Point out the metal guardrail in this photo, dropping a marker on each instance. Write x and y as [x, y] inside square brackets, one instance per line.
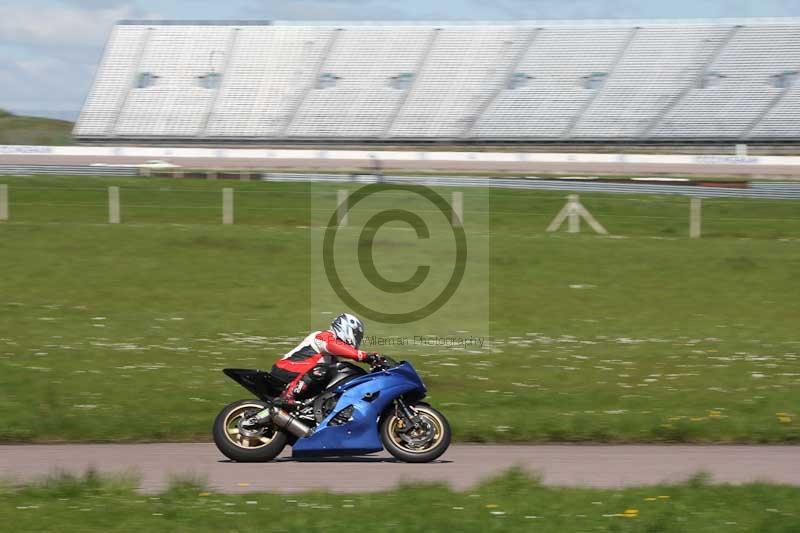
[758, 190]
[773, 190]
[67, 170]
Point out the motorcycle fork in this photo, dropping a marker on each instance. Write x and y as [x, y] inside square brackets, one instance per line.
[410, 418]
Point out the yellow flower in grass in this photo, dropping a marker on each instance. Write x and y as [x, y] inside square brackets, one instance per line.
[491, 505]
[714, 413]
[698, 418]
[785, 419]
[663, 497]
[651, 499]
[631, 513]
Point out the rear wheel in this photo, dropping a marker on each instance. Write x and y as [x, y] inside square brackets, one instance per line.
[243, 445]
[416, 445]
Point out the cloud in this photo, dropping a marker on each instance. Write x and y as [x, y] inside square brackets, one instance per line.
[63, 25]
[636, 9]
[96, 4]
[327, 10]
[50, 53]
[43, 86]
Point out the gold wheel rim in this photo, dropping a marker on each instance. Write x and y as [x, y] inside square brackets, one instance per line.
[431, 418]
[231, 428]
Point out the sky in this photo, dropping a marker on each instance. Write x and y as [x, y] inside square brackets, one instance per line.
[49, 49]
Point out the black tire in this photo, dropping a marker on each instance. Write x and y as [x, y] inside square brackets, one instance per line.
[254, 450]
[407, 454]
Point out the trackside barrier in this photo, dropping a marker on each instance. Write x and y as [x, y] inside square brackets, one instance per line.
[113, 205]
[777, 191]
[65, 170]
[341, 207]
[3, 202]
[695, 217]
[457, 202]
[572, 213]
[227, 206]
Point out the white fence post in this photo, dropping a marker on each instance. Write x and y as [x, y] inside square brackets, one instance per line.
[341, 208]
[3, 202]
[227, 205]
[113, 205]
[695, 218]
[458, 209]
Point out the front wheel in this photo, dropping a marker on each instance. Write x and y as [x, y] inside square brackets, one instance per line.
[243, 445]
[420, 444]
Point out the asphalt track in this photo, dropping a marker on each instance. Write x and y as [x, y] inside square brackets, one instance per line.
[404, 165]
[462, 466]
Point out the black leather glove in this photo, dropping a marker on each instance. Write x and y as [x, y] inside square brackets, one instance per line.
[373, 358]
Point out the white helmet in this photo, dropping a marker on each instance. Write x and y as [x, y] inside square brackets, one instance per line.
[348, 328]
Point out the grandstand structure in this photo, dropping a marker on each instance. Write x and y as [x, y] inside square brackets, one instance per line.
[588, 81]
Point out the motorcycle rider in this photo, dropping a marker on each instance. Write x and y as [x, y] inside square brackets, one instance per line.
[308, 367]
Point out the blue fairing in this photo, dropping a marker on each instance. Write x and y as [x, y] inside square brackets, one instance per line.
[369, 395]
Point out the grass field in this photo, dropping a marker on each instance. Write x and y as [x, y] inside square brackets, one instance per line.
[119, 332]
[15, 129]
[512, 502]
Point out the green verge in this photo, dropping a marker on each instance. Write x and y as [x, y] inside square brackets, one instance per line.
[15, 129]
[119, 333]
[512, 502]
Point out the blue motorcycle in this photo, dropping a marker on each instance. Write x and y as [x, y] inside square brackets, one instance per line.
[358, 413]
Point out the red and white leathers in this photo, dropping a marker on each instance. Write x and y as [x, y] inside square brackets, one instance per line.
[295, 367]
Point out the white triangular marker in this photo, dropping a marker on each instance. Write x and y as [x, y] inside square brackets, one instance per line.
[574, 211]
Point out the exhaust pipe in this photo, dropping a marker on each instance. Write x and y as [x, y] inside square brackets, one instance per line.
[283, 420]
